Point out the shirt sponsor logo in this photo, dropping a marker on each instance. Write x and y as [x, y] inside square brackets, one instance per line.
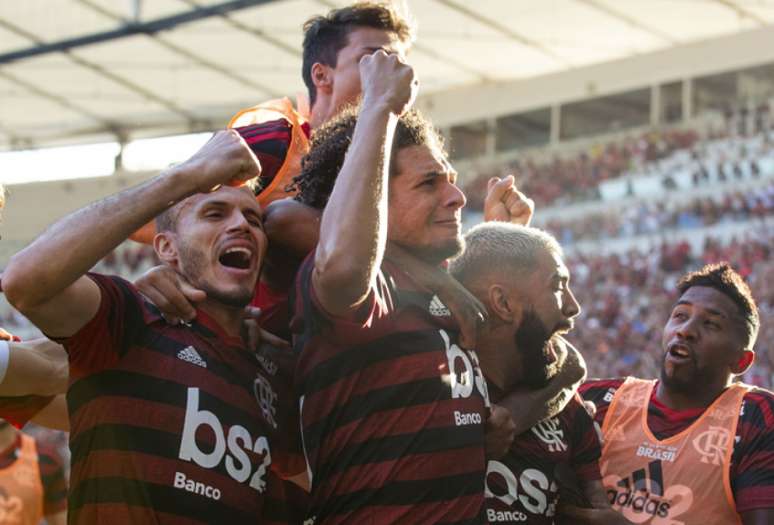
[508, 516]
[238, 441]
[471, 418]
[549, 432]
[642, 495]
[189, 485]
[190, 355]
[655, 451]
[531, 492]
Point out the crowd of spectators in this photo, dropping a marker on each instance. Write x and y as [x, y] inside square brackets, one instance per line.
[718, 153]
[655, 216]
[578, 178]
[626, 300]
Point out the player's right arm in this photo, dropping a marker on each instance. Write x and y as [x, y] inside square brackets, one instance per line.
[353, 228]
[46, 281]
[36, 367]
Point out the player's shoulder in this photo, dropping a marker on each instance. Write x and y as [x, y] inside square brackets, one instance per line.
[758, 405]
[597, 387]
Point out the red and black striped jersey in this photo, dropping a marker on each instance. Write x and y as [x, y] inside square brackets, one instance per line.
[524, 486]
[169, 424]
[392, 409]
[269, 141]
[752, 460]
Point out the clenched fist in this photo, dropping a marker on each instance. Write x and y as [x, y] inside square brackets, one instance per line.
[224, 159]
[387, 81]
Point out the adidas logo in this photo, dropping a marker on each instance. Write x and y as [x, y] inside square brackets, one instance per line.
[641, 493]
[190, 354]
[437, 308]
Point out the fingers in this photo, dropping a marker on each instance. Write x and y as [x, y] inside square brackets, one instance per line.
[171, 294]
[497, 187]
[273, 340]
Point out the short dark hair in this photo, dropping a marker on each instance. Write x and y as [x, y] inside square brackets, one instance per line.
[166, 221]
[329, 144]
[325, 36]
[723, 278]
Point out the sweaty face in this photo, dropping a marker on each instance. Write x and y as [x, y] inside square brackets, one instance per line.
[221, 244]
[425, 204]
[346, 75]
[701, 340]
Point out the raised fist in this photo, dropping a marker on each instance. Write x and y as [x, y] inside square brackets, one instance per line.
[504, 202]
[387, 81]
[224, 159]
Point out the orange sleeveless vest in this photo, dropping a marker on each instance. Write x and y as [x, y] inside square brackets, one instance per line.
[21, 490]
[291, 166]
[680, 480]
[298, 147]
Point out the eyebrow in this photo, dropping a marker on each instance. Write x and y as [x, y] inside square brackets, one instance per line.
[711, 311]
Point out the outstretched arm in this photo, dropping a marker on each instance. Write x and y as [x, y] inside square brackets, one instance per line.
[58, 298]
[353, 228]
[529, 407]
[36, 367]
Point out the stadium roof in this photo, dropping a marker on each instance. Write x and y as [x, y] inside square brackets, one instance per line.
[86, 70]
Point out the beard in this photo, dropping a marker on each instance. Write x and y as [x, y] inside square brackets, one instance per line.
[193, 264]
[685, 379]
[533, 340]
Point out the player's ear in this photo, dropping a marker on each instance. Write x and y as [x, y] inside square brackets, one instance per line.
[743, 362]
[322, 77]
[165, 248]
[502, 305]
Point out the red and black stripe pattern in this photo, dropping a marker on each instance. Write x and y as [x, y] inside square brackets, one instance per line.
[392, 412]
[269, 141]
[524, 486]
[752, 461]
[168, 423]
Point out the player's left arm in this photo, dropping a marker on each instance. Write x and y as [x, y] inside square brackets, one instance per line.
[529, 407]
[586, 452]
[600, 514]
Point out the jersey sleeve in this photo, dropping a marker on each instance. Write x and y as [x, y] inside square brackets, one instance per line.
[269, 141]
[110, 333]
[52, 474]
[310, 316]
[586, 448]
[19, 410]
[600, 392]
[752, 462]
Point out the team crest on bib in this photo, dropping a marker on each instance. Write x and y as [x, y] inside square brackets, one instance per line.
[712, 444]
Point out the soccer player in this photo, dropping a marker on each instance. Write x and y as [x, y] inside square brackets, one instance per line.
[693, 447]
[32, 480]
[519, 275]
[174, 424]
[393, 410]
